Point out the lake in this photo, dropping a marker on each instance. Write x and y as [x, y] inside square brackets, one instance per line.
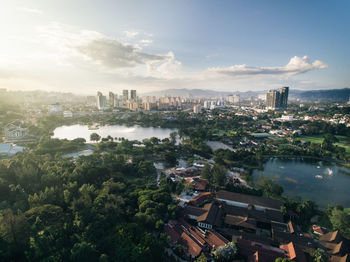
[128, 132]
[322, 182]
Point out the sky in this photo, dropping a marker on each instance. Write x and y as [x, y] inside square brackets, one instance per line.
[83, 46]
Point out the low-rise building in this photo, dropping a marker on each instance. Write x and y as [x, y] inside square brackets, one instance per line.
[14, 131]
[243, 200]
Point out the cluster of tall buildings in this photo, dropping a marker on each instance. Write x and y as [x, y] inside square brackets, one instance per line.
[277, 99]
[117, 101]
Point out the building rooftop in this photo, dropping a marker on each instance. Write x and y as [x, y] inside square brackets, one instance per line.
[249, 199]
[294, 253]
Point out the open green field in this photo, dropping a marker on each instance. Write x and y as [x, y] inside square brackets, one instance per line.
[319, 139]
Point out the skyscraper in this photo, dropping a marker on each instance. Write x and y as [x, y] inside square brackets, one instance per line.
[125, 95]
[276, 99]
[101, 101]
[133, 95]
[111, 99]
[284, 91]
[272, 99]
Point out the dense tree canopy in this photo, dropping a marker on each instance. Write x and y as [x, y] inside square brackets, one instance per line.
[98, 208]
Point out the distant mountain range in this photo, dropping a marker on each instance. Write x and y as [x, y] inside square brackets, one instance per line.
[336, 95]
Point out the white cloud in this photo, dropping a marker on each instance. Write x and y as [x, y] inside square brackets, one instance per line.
[296, 65]
[32, 10]
[114, 54]
[146, 42]
[86, 46]
[168, 69]
[130, 34]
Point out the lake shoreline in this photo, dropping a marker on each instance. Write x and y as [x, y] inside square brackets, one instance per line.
[324, 182]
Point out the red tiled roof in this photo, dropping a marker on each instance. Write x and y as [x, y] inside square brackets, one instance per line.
[193, 239]
[190, 246]
[293, 252]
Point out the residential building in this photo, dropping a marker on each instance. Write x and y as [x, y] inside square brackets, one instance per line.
[111, 99]
[133, 95]
[55, 109]
[336, 246]
[15, 131]
[242, 200]
[197, 109]
[194, 240]
[101, 101]
[272, 99]
[67, 114]
[125, 95]
[9, 149]
[284, 92]
[277, 99]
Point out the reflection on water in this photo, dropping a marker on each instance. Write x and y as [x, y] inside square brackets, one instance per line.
[115, 131]
[322, 182]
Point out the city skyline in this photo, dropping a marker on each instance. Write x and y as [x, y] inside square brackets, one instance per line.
[143, 46]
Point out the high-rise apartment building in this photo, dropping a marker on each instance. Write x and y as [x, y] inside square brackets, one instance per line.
[101, 101]
[125, 95]
[133, 95]
[276, 99]
[197, 109]
[111, 99]
[284, 91]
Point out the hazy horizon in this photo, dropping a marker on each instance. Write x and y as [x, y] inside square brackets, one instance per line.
[85, 45]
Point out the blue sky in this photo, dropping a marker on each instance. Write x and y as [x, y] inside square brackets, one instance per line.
[89, 45]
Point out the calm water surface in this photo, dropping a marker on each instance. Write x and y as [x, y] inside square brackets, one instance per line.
[128, 132]
[322, 182]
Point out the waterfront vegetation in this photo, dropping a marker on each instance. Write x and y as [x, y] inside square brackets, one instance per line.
[108, 206]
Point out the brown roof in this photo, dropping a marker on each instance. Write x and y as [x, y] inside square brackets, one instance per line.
[267, 215]
[335, 243]
[302, 242]
[240, 221]
[194, 211]
[294, 253]
[264, 253]
[249, 199]
[190, 246]
[213, 214]
[200, 198]
[172, 232]
[192, 239]
[319, 230]
[345, 258]
[199, 184]
[291, 227]
[214, 239]
[331, 236]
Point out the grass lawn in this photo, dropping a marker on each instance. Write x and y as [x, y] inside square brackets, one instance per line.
[347, 210]
[319, 139]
